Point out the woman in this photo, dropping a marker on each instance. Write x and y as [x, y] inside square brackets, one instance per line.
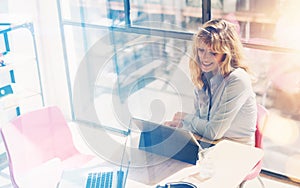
[225, 104]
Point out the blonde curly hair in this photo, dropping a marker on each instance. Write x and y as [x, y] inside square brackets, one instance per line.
[222, 37]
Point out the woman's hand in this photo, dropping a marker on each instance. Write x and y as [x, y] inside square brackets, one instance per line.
[179, 116]
[177, 124]
[177, 120]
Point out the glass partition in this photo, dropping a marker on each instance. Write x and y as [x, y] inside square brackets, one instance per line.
[269, 22]
[136, 70]
[105, 13]
[160, 11]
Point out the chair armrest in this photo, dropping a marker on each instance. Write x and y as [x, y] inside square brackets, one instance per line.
[205, 143]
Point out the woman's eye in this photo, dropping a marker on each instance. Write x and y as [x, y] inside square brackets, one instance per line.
[213, 53]
[201, 50]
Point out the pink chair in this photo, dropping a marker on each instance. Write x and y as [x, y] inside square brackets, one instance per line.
[36, 137]
[262, 116]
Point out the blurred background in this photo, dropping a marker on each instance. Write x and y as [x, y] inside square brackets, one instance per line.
[135, 54]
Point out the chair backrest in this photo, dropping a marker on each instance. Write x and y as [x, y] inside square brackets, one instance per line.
[262, 116]
[36, 137]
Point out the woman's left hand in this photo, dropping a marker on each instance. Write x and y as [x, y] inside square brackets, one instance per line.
[179, 116]
[177, 124]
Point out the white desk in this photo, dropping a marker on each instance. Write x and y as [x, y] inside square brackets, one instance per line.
[231, 163]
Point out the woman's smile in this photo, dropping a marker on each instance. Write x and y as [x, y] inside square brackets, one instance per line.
[207, 64]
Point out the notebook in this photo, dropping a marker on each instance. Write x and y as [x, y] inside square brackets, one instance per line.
[167, 141]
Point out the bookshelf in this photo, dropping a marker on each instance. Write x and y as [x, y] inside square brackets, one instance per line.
[21, 70]
[20, 77]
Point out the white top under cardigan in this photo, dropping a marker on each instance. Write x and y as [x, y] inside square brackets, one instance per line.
[233, 110]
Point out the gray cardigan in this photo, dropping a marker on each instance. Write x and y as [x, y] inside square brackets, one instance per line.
[233, 109]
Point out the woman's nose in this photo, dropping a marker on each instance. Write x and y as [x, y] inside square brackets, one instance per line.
[206, 55]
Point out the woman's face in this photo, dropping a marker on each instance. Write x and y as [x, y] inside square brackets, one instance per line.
[209, 60]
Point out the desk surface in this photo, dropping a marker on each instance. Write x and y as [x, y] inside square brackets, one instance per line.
[230, 162]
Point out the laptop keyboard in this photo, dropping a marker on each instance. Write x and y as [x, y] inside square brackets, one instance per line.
[99, 180]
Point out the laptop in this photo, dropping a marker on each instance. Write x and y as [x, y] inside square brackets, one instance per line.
[105, 179]
[167, 141]
[97, 176]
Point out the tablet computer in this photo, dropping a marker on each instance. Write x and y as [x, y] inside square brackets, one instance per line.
[172, 142]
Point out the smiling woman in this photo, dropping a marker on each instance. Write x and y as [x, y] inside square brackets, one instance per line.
[225, 104]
